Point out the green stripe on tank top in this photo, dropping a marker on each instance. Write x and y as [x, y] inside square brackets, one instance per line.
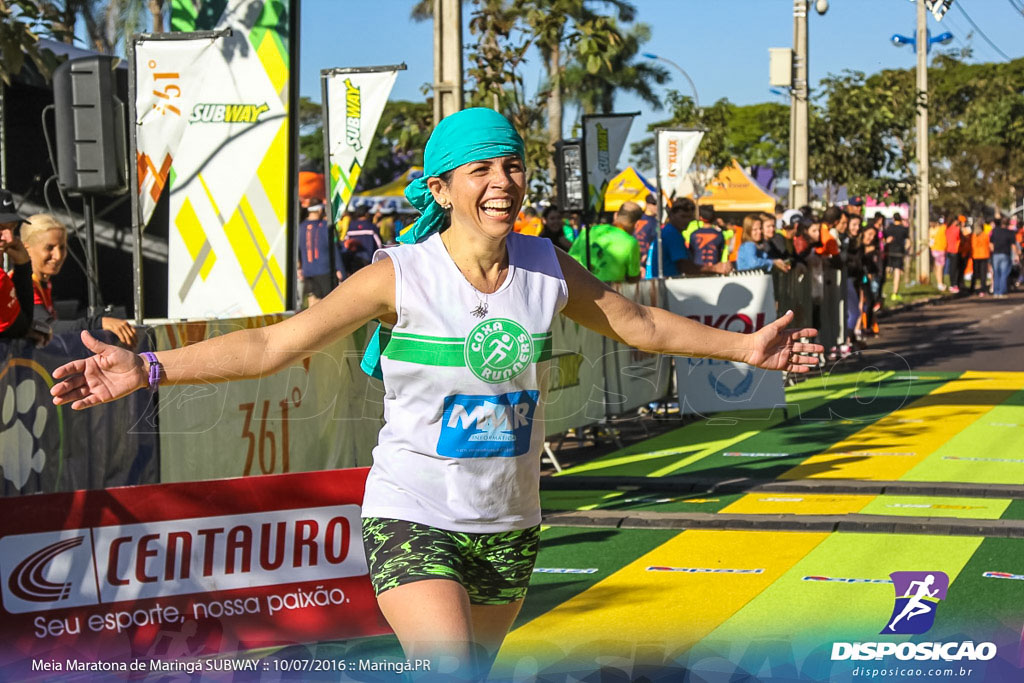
[447, 351]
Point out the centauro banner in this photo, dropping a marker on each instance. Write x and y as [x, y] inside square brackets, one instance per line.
[743, 303]
[603, 140]
[153, 578]
[168, 75]
[676, 149]
[353, 102]
[228, 240]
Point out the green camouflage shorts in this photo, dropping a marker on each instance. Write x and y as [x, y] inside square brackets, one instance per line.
[495, 569]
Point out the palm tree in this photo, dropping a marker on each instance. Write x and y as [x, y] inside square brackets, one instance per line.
[594, 90]
[560, 26]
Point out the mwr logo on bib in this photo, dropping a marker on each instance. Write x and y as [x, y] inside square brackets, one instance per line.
[487, 426]
[498, 350]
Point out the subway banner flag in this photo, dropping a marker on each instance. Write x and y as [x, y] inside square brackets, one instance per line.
[160, 575]
[228, 238]
[354, 100]
[604, 136]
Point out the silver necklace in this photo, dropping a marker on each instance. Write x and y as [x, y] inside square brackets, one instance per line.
[480, 311]
[481, 308]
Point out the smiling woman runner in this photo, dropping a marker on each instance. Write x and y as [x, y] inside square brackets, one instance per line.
[452, 504]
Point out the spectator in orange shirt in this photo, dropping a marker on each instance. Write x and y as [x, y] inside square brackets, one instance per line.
[981, 252]
[953, 252]
[937, 245]
[964, 249]
[530, 223]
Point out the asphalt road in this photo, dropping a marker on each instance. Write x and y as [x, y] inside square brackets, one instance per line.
[966, 333]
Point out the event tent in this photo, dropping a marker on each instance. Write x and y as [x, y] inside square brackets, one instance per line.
[627, 186]
[734, 191]
[389, 197]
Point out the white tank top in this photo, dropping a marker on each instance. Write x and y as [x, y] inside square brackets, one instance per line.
[463, 401]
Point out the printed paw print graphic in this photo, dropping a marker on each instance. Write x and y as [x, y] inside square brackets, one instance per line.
[22, 423]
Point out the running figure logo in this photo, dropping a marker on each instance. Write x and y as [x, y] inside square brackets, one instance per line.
[498, 350]
[917, 597]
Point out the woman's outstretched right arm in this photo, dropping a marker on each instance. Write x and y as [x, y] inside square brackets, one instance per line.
[113, 372]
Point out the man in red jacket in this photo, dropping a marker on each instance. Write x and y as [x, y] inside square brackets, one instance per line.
[16, 288]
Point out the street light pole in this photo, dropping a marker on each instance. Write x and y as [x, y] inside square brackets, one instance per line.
[798, 175]
[922, 42]
[923, 212]
[696, 99]
[447, 58]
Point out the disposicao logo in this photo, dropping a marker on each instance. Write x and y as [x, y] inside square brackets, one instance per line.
[917, 597]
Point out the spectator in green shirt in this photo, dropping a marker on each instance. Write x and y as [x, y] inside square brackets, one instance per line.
[614, 252]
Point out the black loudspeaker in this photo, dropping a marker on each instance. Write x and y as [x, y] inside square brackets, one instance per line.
[91, 129]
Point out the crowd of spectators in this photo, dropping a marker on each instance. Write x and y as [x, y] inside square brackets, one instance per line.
[35, 248]
[868, 252]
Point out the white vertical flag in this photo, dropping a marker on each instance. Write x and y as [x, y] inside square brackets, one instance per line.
[354, 101]
[168, 75]
[604, 136]
[676, 149]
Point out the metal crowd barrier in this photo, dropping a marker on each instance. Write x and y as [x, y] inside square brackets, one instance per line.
[334, 410]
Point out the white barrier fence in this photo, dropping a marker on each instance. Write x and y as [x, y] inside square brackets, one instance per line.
[324, 413]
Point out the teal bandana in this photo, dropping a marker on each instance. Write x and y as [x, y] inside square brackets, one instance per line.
[469, 135]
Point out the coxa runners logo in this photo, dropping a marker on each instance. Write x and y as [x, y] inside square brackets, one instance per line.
[227, 113]
[498, 350]
[917, 597]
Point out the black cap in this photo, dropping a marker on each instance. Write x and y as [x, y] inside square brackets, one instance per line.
[7, 212]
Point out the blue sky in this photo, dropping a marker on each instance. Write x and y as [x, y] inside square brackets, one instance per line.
[722, 44]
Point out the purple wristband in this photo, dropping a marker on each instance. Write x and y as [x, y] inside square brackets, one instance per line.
[156, 370]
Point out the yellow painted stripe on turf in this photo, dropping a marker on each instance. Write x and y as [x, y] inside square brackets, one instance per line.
[670, 609]
[802, 504]
[271, 173]
[890, 447]
[706, 447]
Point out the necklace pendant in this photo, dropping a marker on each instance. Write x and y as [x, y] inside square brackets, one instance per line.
[480, 311]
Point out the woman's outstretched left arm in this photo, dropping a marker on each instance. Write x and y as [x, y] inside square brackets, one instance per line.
[598, 307]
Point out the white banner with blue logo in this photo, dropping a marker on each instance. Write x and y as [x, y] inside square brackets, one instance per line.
[742, 303]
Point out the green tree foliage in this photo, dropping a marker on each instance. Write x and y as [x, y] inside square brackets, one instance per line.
[977, 133]
[863, 134]
[754, 134]
[22, 24]
[594, 80]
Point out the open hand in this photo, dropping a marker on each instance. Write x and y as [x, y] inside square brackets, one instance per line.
[777, 348]
[124, 330]
[111, 373]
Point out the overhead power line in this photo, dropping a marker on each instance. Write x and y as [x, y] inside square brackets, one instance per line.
[960, 6]
[1017, 6]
